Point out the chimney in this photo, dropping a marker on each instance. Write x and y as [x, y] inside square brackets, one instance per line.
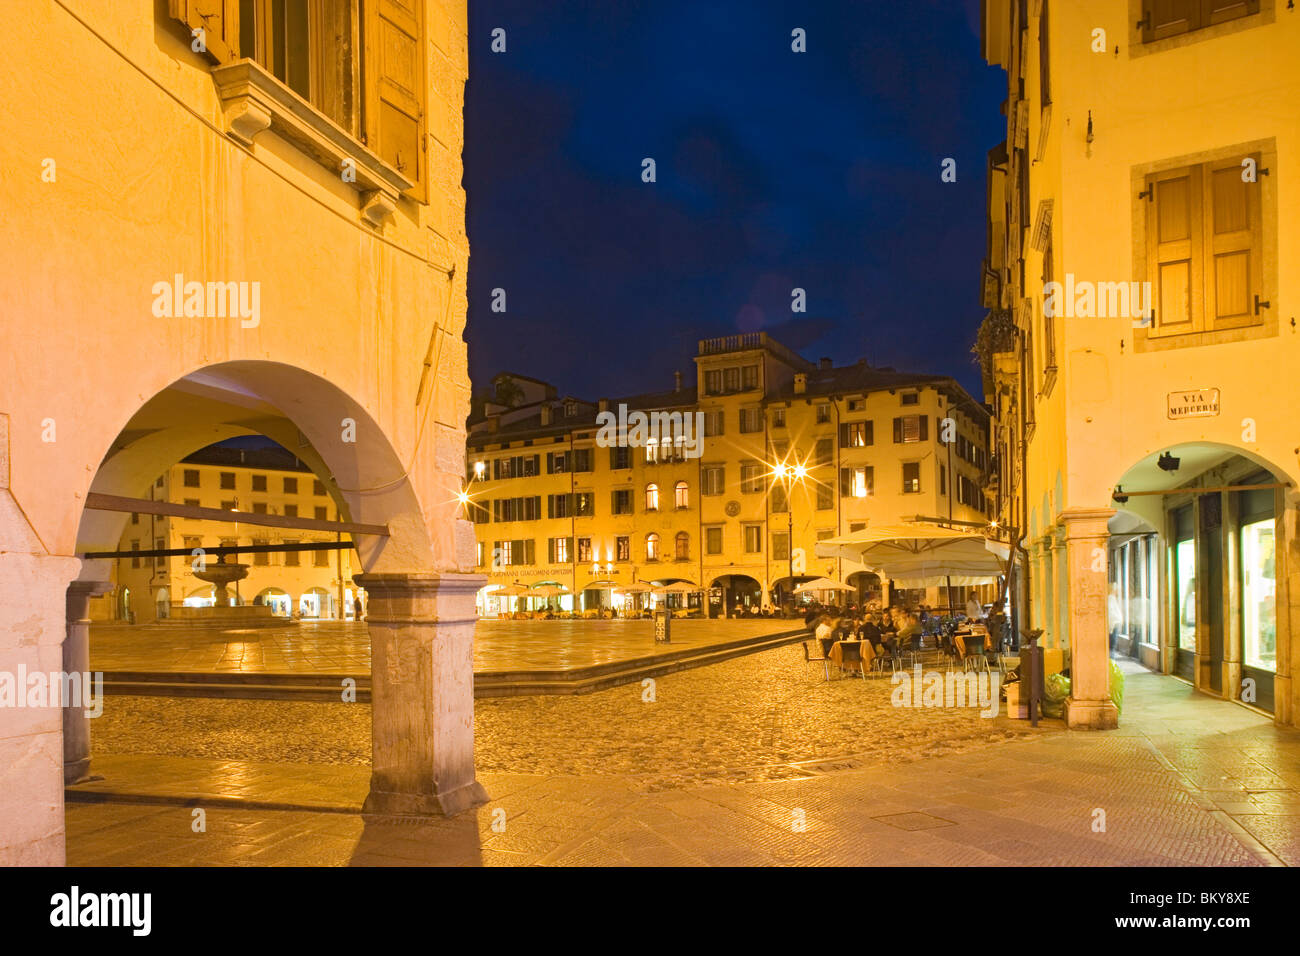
[800, 382]
[603, 405]
[825, 363]
[494, 423]
[548, 414]
[677, 381]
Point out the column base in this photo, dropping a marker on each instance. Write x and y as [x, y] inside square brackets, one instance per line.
[1091, 714]
[386, 803]
[76, 771]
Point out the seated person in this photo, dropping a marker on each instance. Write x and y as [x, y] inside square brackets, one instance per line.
[869, 630]
[825, 634]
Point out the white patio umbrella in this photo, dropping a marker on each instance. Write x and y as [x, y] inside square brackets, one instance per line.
[678, 587]
[822, 584]
[635, 588]
[922, 553]
[510, 590]
[547, 590]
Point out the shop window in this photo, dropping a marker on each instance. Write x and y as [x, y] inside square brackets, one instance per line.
[1259, 595]
[1185, 582]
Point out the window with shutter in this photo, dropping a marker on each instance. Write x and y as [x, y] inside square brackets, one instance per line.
[1204, 248]
[394, 86]
[1168, 18]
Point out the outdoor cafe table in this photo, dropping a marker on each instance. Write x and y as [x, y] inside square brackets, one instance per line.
[837, 655]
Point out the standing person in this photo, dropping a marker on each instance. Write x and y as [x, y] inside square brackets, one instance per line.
[356, 608]
[974, 610]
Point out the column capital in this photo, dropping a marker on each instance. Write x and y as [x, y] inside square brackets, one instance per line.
[90, 589]
[1086, 522]
[419, 581]
[444, 597]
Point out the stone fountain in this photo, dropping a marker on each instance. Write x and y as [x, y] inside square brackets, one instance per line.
[220, 574]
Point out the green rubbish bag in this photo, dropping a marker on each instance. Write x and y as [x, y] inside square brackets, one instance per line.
[1056, 687]
[1117, 687]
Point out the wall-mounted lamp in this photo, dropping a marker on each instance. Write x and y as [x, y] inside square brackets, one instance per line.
[1168, 462]
[1119, 496]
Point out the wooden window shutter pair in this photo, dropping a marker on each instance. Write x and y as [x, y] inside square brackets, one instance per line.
[1204, 244]
[1167, 18]
[219, 21]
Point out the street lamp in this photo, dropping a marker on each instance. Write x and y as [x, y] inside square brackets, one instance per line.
[789, 476]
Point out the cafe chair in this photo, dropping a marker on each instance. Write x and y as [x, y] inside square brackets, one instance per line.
[975, 659]
[852, 653]
[809, 659]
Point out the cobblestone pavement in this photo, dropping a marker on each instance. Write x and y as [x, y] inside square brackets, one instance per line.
[1187, 781]
[756, 717]
[332, 647]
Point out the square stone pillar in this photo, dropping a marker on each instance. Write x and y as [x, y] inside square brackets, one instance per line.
[1086, 537]
[422, 692]
[76, 660]
[34, 587]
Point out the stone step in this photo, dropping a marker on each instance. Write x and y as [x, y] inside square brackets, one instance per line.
[329, 687]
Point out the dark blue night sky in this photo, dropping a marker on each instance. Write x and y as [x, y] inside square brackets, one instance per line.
[776, 170]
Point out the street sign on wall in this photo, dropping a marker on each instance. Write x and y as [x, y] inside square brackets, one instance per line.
[1194, 403]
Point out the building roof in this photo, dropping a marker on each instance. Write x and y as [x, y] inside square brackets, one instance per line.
[859, 378]
[267, 459]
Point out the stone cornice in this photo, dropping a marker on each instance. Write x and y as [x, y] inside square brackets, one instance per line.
[253, 100]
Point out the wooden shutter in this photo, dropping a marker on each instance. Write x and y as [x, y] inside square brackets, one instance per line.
[550, 550]
[1233, 273]
[1219, 11]
[925, 427]
[1044, 71]
[394, 97]
[898, 430]
[844, 435]
[1174, 257]
[1167, 18]
[846, 482]
[219, 20]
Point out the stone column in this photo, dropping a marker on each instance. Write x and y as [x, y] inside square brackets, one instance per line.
[422, 680]
[76, 660]
[1061, 628]
[1089, 705]
[1046, 592]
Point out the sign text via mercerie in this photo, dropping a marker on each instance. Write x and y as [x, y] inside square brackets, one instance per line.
[1194, 403]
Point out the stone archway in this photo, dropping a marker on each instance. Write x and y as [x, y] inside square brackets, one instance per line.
[1199, 561]
[419, 610]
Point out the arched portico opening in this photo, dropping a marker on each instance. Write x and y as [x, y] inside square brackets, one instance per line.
[420, 619]
[731, 595]
[317, 603]
[277, 599]
[1196, 570]
[867, 587]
